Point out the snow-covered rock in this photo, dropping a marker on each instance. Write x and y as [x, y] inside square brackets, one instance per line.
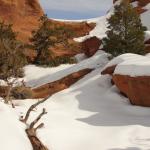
[37, 76]
[131, 74]
[92, 115]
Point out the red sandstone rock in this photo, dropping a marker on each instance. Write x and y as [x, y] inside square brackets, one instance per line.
[109, 70]
[24, 15]
[137, 89]
[141, 3]
[56, 86]
[90, 46]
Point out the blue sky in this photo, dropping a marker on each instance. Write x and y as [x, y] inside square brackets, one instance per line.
[75, 9]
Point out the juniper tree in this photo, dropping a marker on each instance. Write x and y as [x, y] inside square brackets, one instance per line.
[12, 58]
[126, 32]
[41, 41]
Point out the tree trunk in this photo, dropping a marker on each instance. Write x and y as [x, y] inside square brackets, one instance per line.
[7, 99]
[36, 143]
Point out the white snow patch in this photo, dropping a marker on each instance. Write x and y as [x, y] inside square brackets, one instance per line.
[80, 57]
[92, 115]
[145, 16]
[37, 76]
[12, 131]
[124, 57]
[147, 35]
[137, 66]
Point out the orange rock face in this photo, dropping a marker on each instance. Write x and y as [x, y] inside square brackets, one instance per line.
[109, 70]
[137, 89]
[141, 3]
[90, 46]
[23, 14]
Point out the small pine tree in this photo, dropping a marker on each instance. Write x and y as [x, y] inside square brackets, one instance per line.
[41, 41]
[12, 58]
[126, 33]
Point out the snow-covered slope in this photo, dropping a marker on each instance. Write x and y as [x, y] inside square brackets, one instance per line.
[12, 131]
[37, 76]
[92, 115]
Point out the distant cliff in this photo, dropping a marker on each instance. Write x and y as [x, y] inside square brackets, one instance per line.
[23, 14]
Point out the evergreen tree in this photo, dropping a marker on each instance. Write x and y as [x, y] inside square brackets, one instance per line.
[12, 58]
[126, 33]
[41, 41]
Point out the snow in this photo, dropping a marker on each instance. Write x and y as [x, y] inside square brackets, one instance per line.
[145, 16]
[101, 23]
[99, 31]
[122, 58]
[37, 76]
[135, 4]
[92, 115]
[130, 64]
[147, 35]
[80, 57]
[138, 66]
[13, 136]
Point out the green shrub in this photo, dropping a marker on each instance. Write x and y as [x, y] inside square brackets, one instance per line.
[126, 32]
[58, 61]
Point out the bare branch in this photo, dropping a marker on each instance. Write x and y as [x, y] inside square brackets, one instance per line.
[39, 126]
[37, 119]
[32, 108]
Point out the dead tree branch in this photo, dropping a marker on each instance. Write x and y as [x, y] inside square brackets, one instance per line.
[37, 119]
[32, 107]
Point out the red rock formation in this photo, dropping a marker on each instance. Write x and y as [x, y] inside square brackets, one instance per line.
[90, 46]
[56, 86]
[23, 14]
[141, 3]
[137, 89]
[109, 70]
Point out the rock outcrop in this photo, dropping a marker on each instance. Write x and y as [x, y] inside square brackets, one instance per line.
[90, 46]
[56, 86]
[23, 14]
[109, 70]
[140, 6]
[132, 77]
[137, 89]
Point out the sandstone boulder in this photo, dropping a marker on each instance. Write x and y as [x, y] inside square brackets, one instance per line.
[91, 46]
[109, 70]
[131, 74]
[137, 89]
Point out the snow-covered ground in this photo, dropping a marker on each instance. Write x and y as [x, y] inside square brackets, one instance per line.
[12, 131]
[36, 76]
[91, 115]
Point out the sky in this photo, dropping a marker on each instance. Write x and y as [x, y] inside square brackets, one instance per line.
[75, 9]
